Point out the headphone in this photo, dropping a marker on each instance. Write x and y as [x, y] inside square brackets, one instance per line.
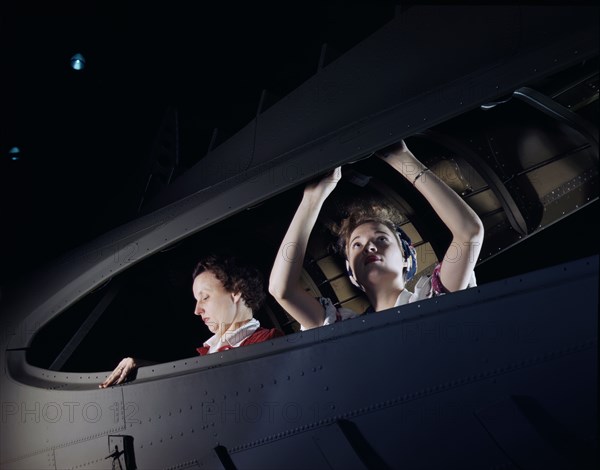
[408, 252]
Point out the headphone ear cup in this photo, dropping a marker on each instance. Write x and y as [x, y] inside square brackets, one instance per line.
[351, 276]
[410, 255]
[411, 269]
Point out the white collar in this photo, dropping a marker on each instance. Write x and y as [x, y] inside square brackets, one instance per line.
[232, 339]
[403, 298]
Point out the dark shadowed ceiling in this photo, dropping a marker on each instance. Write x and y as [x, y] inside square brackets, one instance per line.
[81, 135]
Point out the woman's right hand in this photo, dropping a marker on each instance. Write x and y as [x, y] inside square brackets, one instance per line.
[322, 188]
[121, 372]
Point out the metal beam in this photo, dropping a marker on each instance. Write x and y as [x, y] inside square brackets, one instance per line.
[511, 209]
[557, 111]
[113, 289]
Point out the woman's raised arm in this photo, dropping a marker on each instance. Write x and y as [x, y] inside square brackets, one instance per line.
[465, 225]
[284, 282]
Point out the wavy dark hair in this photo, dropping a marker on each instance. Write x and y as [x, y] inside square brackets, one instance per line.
[235, 277]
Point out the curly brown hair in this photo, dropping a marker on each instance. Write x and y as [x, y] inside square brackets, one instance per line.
[363, 212]
[235, 277]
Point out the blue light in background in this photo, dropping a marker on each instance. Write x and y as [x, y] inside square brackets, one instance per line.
[14, 153]
[77, 62]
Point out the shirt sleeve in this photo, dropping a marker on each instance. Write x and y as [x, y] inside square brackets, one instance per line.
[436, 282]
[260, 335]
[333, 314]
[437, 288]
[431, 286]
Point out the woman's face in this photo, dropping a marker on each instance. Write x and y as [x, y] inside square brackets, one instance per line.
[375, 255]
[216, 306]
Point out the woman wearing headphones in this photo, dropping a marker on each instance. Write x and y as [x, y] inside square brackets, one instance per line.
[379, 256]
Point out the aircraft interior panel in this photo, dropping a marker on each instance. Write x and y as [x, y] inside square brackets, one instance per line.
[515, 353]
[492, 416]
[538, 368]
[39, 461]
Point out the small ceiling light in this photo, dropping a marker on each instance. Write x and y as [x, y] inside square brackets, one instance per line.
[77, 62]
[14, 153]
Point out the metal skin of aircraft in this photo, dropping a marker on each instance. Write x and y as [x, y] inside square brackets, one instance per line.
[501, 376]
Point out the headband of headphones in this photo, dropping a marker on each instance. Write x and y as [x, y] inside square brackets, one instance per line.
[409, 253]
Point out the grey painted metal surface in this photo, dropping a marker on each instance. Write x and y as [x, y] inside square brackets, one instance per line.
[420, 386]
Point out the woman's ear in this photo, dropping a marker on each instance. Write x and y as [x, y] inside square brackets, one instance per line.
[236, 297]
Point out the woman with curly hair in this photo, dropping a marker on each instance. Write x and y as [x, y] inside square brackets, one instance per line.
[227, 294]
[379, 256]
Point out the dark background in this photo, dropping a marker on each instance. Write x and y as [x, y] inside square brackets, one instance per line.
[82, 135]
